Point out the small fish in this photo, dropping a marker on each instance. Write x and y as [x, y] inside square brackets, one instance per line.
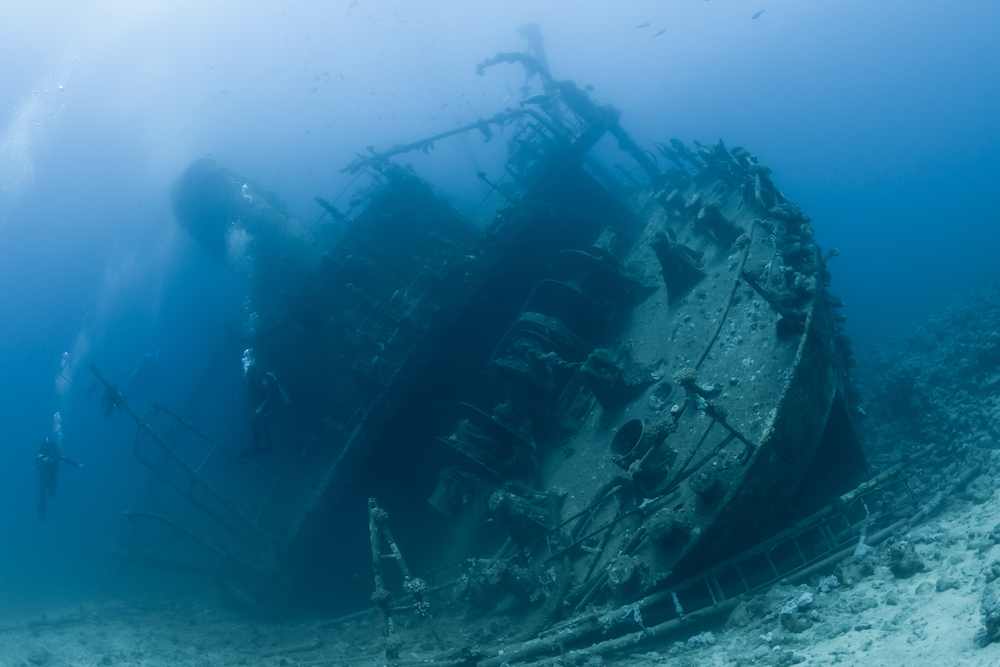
[660, 33]
[641, 25]
[537, 99]
[589, 88]
[755, 16]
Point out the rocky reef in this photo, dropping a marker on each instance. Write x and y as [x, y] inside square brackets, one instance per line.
[936, 384]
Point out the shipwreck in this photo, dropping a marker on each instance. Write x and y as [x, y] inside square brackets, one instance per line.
[613, 385]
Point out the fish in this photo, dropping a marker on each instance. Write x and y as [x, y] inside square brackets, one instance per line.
[754, 17]
[642, 25]
[660, 33]
[537, 99]
[589, 88]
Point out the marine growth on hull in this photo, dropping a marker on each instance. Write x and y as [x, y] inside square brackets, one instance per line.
[599, 390]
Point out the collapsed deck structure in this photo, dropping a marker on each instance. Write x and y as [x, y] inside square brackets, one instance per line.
[611, 384]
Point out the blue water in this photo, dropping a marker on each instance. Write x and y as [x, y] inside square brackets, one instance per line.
[879, 119]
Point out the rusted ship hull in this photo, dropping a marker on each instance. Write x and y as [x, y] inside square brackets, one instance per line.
[611, 384]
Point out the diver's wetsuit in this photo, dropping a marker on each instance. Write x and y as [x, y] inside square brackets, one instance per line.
[264, 388]
[47, 464]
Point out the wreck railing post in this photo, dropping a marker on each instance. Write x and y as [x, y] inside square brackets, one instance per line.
[381, 597]
[415, 586]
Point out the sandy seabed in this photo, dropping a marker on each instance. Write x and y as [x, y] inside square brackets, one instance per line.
[930, 618]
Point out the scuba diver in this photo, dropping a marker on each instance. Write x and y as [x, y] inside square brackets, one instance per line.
[47, 463]
[268, 395]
